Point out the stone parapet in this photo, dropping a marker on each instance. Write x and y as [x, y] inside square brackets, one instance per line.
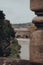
[9, 61]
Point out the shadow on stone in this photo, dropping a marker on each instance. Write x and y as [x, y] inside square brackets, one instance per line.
[36, 63]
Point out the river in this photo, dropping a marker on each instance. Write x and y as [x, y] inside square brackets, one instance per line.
[25, 48]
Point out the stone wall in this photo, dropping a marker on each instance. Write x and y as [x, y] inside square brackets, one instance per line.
[7, 61]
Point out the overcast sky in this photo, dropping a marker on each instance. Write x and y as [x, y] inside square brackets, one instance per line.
[17, 11]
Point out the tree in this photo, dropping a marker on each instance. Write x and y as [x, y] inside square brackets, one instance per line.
[9, 46]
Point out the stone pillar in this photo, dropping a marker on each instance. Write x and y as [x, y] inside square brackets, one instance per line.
[36, 40]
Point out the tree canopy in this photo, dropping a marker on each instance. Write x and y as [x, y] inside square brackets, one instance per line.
[9, 46]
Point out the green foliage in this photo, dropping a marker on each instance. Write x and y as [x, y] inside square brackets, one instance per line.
[15, 49]
[9, 46]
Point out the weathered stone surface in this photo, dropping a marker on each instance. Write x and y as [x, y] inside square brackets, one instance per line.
[36, 46]
[36, 38]
[36, 5]
[8, 61]
[38, 19]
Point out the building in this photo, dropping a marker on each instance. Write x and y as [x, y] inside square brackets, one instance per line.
[22, 31]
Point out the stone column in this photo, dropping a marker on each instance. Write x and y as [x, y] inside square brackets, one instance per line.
[36, 40]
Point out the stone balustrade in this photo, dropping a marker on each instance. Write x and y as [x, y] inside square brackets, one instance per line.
[36, 40]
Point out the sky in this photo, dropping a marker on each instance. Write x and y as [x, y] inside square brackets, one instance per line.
[17, 11]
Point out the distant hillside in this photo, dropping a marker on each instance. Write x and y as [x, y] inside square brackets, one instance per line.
[22, 25]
